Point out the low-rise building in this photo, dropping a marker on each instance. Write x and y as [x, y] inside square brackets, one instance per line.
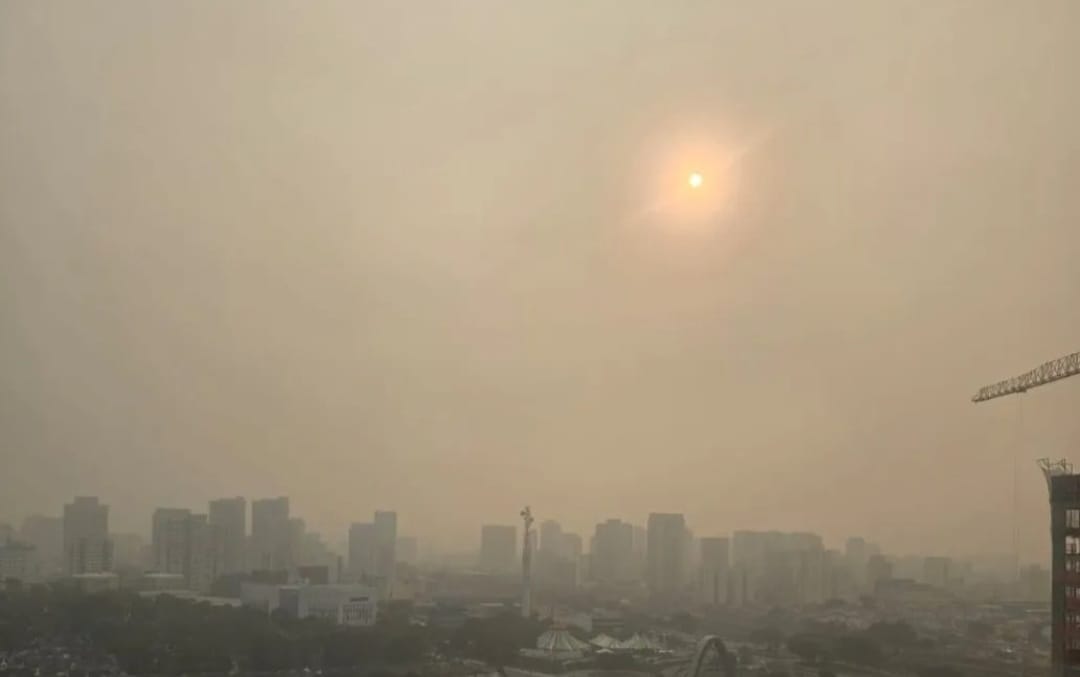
[343, 604]
[358, 612]
[155, 580]
[99, 581]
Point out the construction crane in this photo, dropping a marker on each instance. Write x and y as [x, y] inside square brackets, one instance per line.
[1054, 370]
[1062, 623]
[1045, 373]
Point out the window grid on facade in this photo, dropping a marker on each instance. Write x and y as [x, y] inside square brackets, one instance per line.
[1072, 545]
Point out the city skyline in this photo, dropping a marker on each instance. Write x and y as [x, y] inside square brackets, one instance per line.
[340, 542]
[387, 336]
[667, 560]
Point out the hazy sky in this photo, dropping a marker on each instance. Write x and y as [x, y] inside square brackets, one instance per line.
[440, 257]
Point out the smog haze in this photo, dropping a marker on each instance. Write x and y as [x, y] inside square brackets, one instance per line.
[444, 258]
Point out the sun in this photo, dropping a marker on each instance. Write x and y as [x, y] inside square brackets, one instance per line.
[695, 180]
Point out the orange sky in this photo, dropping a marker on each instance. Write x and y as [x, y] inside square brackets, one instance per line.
[436, 258]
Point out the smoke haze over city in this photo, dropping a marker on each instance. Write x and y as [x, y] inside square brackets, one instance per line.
[441, 258]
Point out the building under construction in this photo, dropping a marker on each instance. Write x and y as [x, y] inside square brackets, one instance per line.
[1064, 487]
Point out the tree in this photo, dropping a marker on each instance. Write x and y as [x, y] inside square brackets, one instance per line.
[980, 630]
[807, 647]
[165, 635]
[496, 640]
[897, 634]
[685, 622]
[857, 649]
[940, 671]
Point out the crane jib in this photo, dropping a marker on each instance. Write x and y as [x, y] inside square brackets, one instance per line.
[1051, 371]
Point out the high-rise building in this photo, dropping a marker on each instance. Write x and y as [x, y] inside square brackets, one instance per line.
[498, 548]
[551, 538]
[18, 561]
[408, 550]
[557, 560]
[666, 553]
[363, 551]
[314, 552]
[878, 569]
[385, 544]
[1064, 489]
[936, 571]
[87, 548]
[46, 534]
[206, 554]
[613, 552]
[837, 581]
[573, 551]
[641, 546]
[856, 555]
[129, 551]
[572, 547]
[187, 545]
[691, 556]
[229, 517]
[168, 539]
[715, 570]
[297, 536]
[270, 534]
[777, 568]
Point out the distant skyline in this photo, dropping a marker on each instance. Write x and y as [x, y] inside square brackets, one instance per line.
[339, 540]
[444, 258]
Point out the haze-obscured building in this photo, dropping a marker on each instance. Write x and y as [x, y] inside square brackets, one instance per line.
[498, 548]
[129, 551]
[229, 517]
[362, 550]
[46, 534]
[97, 581]
[878, 570]
[778, 568]
[385, 544]
[18, 561]
[87, 549]
[551, 538]
[168, 539]
[315, 552]
[715, 570]
[408, 550]
[666, 553]
[612, 558]
[187, 545]
[271, 542]
[856, 555]
[936, 571]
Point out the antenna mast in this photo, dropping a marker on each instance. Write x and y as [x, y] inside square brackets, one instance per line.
[526, 565]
